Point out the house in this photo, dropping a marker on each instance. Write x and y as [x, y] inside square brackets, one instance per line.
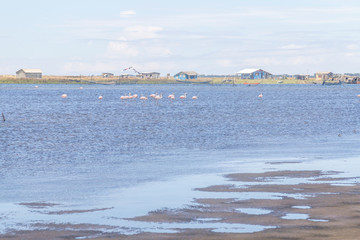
[29, 73]
[251, 73]
[107, 75]
[301, 77]
[186, 76]
[149, 75]
[323, 75]
[125, 75]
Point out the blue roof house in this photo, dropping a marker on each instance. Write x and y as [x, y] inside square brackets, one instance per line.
[186, 76]
[250, 73]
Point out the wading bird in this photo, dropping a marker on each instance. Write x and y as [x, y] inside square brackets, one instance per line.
[143, 98]
[183, 96]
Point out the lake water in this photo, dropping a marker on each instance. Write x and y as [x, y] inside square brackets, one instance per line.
[82, 151]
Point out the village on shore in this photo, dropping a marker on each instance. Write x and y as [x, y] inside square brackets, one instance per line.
[132, 76]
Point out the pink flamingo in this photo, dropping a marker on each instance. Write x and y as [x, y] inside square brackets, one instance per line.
[143, 98]
[158, 97]
[260, 95]
[171, 96]
[194, 97]
[124, 97]
[183, 96]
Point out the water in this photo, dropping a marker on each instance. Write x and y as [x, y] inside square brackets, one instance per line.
[82, 152]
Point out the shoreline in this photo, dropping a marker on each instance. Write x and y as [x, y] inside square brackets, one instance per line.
[301, 203]
[119, 81]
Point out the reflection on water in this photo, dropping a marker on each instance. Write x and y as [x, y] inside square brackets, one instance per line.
[254, 211]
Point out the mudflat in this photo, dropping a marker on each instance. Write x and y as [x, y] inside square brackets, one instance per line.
[320, 207]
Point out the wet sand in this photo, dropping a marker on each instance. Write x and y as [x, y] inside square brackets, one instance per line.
[318, 208]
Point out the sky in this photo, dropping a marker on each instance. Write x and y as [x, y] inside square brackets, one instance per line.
[89, 37]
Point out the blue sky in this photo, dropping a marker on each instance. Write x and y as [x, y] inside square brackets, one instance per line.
[64, 37]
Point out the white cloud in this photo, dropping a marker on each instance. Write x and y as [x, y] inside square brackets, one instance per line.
[140, 33]
[293, 47]
[352, 47]
[226, 63]
[127, 13]
[124, 49]
[79, 67]
[157, 51]
[121, 48]
[304, 60]
[262, 61]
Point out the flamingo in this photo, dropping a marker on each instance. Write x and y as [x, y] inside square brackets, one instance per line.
[134, 96]
[194, 97]
[124, 97]
[358, 95]
[143, 98]
[100, 97]
[183, 96]
[81, 88]
[158, 97]
[64, 95]
[36, 86]
[153, 95]
[260, 95]
[171, 96]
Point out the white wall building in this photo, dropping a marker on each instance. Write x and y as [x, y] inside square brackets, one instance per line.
[29, 73]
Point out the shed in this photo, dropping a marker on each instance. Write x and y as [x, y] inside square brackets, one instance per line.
[301, 77]
[107, 75]
[149, 75]
[191, 75]
[29, 73]
[323, 75]
[253, 73]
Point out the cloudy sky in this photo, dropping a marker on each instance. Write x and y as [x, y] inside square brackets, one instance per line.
[72, 37]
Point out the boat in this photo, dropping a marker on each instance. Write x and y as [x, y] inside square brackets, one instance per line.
[251, 83]
[193, 82]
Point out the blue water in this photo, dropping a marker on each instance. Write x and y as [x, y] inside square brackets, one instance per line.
[81, 148]
[60, 149]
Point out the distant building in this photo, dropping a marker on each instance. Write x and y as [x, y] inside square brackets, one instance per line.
[186, 76]
[149, 75]
[250, 73]
[301, 77]
[107, 75]
[323, 75]
[29, 73]
[125, 75]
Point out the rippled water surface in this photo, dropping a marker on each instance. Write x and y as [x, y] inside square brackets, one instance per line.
[80, 148]
[78, 145]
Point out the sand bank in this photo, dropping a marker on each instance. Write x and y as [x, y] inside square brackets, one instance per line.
[317, 206]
